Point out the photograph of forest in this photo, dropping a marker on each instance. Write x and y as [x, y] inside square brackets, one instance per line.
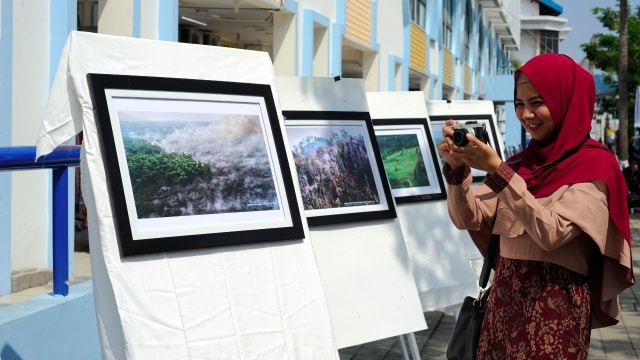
[409, 159]
[333, 165]
[183, 164]
[403, 161]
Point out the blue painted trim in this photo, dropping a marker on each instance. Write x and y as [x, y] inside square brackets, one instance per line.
[552, 5]
[406, 44]
[168, 20]
[63, 19]
[338, 30]
[136, 19]
[341, 12]
[306, 43]
[309, 19]
[291, 6]
[375, 46]
[6, 118]
[335, 49]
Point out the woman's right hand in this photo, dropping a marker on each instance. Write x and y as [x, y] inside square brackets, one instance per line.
[446, 145]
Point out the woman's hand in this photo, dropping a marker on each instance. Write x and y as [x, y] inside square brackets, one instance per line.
[445, 146]
[475, 154]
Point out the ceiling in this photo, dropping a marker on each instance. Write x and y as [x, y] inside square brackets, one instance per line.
[248, 24]
[243, 22]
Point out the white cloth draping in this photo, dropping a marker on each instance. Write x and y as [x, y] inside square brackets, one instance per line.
[263, 301]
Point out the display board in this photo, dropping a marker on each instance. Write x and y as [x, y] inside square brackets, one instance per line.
[468, 108]
[219, 297]
[437, 250]
[364, 264]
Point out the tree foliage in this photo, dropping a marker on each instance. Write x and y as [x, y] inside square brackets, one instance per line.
[603, 50]
[151, 168]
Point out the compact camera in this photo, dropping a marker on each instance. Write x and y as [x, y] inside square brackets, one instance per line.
[460, 132]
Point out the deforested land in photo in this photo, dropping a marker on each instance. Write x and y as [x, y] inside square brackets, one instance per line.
[197, 163]
[333, 166]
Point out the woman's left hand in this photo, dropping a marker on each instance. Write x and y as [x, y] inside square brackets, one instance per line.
[477, 155]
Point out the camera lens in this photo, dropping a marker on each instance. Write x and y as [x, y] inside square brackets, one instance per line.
[460, 137]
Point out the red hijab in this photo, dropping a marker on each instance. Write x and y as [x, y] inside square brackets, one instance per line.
[569, 92]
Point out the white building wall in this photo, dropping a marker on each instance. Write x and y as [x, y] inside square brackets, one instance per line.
[528, 47]
[529, 8]
[149, 19]
[30, 223]
[324, 8]
[115, 17]
[390, 33]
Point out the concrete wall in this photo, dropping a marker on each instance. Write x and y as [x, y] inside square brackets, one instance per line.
[53, 328]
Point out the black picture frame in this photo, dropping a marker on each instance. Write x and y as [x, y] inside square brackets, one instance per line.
[409, 156]
[359, 179]
[193, 164]
[436, 127]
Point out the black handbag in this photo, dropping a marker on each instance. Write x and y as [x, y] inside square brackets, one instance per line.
[464, 340]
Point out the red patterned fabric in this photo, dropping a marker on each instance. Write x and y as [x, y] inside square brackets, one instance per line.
[500, 179]
[536, 310]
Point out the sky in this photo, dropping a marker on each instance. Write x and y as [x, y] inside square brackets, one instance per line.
[583, 23]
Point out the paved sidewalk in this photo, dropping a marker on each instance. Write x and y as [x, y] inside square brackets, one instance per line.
[619, 342]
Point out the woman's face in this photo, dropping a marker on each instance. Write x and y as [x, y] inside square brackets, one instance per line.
[533, 113]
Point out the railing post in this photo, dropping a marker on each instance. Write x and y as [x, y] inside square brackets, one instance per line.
[59, 160]
[60, 231]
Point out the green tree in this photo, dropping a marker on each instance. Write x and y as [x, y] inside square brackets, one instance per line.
[619, 59]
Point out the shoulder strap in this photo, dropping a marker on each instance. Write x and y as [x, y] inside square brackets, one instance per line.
[488, 260]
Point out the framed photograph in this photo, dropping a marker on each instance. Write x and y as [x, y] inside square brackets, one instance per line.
[339, 167]
[410, 160]
[193, 164]
[437, 122]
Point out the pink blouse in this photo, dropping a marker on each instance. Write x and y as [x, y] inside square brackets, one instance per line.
[561, 228]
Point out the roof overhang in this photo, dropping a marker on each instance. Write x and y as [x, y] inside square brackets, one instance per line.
[551, 23]
[550, 8]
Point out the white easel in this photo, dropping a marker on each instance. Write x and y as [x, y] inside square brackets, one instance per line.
[364, 266]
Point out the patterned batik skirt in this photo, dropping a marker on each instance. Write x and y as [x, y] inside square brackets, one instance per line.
[536, 310]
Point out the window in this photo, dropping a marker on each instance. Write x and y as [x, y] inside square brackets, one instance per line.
[467, 33]
[419, 12]
[447, 21]
[548, 41]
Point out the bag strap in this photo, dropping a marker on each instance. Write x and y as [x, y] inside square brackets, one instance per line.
[488, 260]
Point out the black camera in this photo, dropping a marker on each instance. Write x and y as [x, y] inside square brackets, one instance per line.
[460, 132]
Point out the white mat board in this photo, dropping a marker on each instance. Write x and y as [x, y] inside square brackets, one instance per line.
[364, 266]
[437, 250]
[240, 302]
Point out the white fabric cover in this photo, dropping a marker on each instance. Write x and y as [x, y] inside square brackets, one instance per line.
[262, 301]
[441, 255]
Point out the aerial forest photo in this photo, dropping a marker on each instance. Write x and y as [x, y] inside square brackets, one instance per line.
[333, 166]
[403, 161]
[183, 164]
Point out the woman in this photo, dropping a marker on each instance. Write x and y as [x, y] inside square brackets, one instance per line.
[560, 210]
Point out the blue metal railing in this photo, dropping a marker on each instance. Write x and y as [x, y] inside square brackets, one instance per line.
[59, 160]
